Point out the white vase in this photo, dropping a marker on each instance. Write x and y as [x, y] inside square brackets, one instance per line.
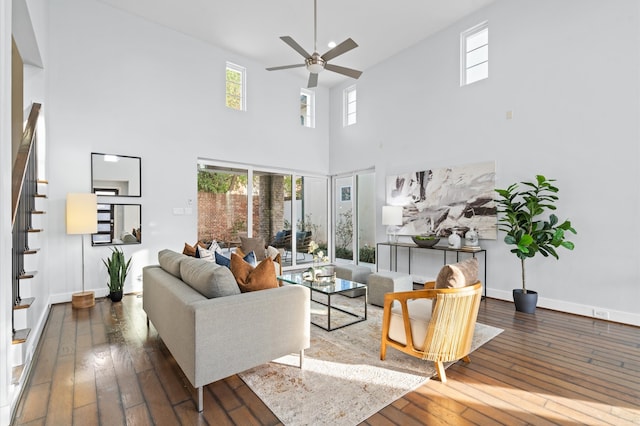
[455, 241]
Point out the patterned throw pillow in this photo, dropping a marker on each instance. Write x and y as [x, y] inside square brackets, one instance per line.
[249, 278]
[205, 254]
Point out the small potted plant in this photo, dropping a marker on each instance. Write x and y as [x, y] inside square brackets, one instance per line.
[524, 219]
[118, 268]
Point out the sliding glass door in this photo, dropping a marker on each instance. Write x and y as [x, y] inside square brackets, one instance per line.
[288, 211]
[354, 217]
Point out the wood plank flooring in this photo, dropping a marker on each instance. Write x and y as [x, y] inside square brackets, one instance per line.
[102, 366]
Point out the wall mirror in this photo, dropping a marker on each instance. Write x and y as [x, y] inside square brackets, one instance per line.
[118, 224]
[115, 175]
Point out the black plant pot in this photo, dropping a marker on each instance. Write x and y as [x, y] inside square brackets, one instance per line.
[115, 296]
[525, 302]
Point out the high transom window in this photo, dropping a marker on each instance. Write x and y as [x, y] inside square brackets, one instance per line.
[474, 54]
[349, 106]
[235, 87]
[307, 108]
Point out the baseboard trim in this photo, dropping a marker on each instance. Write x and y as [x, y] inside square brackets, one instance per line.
[628, 318]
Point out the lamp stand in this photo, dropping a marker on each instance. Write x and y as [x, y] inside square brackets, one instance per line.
[83, 299]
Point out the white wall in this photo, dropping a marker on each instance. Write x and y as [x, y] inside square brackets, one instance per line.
[569, 70]
[122, 85]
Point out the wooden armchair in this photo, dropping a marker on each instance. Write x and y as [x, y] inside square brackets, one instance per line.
[432, 324]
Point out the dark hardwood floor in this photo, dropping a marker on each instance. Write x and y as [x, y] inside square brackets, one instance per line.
[103, 366]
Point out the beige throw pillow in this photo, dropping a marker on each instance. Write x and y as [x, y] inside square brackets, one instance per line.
[255, 245]
[459, 274]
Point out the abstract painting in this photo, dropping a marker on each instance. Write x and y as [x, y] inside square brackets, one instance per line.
[446, 200]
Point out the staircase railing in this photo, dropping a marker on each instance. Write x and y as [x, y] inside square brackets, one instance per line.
[24, 188]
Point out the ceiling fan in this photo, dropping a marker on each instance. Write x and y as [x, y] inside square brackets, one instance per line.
[315, 63]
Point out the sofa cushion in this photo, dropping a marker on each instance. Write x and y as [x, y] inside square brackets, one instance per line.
[207, 278]
[170, 261]
[458, 275]
[255, 245]
[249, 278]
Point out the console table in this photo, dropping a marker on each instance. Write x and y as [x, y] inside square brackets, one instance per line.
[393, 251]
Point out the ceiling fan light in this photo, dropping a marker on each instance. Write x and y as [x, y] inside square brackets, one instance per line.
[315, 63]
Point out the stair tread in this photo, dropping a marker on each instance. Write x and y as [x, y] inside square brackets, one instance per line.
[20, 336]
[26, 275]
[31, 251]
[38, 212]
[35, 230]
[25, 303]
[36, 195]
[43, 181]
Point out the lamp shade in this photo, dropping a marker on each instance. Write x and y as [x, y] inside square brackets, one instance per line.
[392, 215]
[82, 213]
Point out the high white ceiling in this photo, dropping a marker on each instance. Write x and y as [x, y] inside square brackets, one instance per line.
[252, 28]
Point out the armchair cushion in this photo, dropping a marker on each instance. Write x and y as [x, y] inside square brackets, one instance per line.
[419, 317]
[459, 274]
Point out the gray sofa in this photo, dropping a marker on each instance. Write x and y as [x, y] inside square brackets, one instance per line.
[217, 336]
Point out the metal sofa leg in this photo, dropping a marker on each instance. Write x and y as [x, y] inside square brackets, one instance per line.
[301, 357]
[200, 405]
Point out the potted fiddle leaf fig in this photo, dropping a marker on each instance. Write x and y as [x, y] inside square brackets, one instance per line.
[118, 268]
[531, 228]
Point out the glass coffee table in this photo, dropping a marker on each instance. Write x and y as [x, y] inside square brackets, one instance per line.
[329, 289]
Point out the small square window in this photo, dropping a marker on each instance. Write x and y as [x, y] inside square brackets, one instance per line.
[474, 54]
[235, 87]
[349, 96]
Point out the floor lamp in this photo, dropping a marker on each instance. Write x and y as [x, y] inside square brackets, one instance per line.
[82, 218]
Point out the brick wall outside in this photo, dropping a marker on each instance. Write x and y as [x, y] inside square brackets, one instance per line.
[222, 216]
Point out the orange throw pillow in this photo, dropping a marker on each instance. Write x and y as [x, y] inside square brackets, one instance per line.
[249, 278]
[191, 250]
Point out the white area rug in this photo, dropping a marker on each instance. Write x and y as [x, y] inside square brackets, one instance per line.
[343, 380]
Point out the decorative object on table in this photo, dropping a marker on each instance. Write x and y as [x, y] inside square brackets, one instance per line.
[118, 268]
[524, 219]
[425, 240]
[471, 238]
[392, 217]
[82, 218]
[318, 258]
[455, 241]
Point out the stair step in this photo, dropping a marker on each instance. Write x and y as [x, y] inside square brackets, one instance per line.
[31, 251]
[24, 303]
[43, 181]
[38, 212]
[16, 374]
[34, 230]
[36, 195]
[27, 275]
[20, 336]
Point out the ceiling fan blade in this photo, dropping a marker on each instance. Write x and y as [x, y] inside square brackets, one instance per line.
[313, 80]
[342, 70]
[284, 67]
[343, 47]
[291, 42]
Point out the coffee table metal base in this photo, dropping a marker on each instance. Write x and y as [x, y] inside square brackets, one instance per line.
[358, 318]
